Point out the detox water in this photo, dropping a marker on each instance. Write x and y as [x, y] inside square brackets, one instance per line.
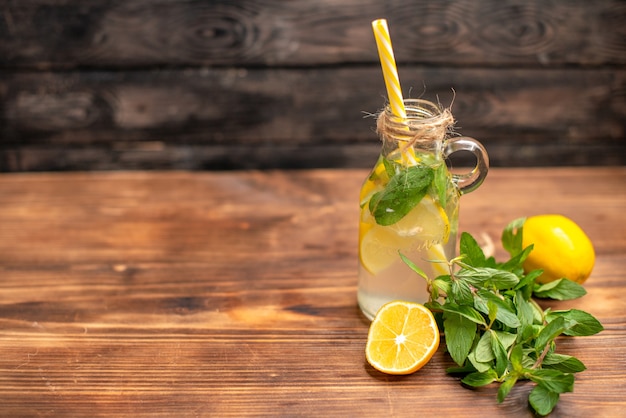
[426, 236]
[410, 204]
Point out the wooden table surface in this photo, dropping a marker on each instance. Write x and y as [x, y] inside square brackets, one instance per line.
[233, 294]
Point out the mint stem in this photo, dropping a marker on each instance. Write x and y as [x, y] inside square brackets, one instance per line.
[545, 351]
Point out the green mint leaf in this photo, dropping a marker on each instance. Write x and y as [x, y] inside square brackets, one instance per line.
[553, 380]
[491, 262]
[466, 311]
[434, 306]
[492, 311]
[517, 358]
[499, 351]
[434, 292]
[549, 333]
[403, 192]
[478, 379]
[473, 255]
[505, 313]
[527, 282]
[561, 289]
[443, 283]
[506, 387]
[577, 323]
[459, 332]
[483, 352]
[512, 236]
[538, 313]
[412, 265]
[465, 369]
[526, 333]
[460, 292]
[543, 400]
[506, 338]
[563, 362]
[489, 277]
[501, 279]
[517, 261]
[478, 365]
[525, 311]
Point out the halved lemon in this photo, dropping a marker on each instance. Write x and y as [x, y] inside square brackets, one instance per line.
[402, 338]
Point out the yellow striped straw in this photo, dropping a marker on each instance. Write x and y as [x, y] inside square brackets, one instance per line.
[388, 64]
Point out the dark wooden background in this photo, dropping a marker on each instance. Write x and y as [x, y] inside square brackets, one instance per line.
[225, 84]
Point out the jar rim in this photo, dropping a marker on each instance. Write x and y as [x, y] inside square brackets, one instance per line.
[418, 110]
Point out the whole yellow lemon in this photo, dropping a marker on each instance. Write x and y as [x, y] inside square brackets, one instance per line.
[561, 248]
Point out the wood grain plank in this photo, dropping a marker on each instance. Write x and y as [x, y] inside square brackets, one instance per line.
[233, 294]
[223, 118]
[123, 34]
[160, 84]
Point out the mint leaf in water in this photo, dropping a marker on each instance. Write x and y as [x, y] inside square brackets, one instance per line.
[403, 192]
[391, 168]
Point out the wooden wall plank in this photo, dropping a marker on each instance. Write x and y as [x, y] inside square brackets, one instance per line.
[210, 118]
[119, 84]
[121, 34]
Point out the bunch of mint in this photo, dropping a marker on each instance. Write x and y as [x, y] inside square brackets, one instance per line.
[496, 332]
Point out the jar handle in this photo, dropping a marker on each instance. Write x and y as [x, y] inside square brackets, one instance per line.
[470, 181]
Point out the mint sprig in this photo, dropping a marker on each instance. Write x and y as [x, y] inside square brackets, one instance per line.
[494, 329]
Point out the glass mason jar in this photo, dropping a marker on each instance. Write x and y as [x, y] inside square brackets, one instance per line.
[410, 204]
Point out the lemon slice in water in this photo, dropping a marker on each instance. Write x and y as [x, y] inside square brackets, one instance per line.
[426, 222]
[425, 226]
